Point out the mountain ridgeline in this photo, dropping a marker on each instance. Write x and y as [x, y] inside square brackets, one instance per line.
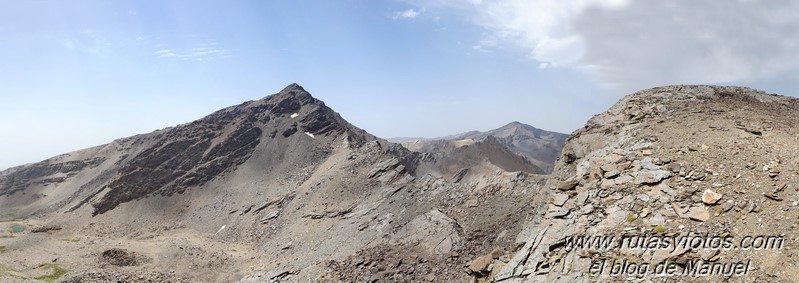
[283, 189]
[284, 175]
[540, 148]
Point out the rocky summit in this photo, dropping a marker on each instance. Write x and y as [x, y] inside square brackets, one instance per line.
[671, 184]
[693, 183]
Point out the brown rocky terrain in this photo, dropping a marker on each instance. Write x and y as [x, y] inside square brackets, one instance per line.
[673, 161]
[284, 190]
[280, 189]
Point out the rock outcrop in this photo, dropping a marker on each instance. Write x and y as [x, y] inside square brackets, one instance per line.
[656, 166]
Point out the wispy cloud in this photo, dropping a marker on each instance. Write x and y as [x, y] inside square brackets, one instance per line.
[486, 44]
[206, 51]
[407, 14]
[165, 53]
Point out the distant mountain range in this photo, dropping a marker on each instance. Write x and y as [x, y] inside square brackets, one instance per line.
[541, 148]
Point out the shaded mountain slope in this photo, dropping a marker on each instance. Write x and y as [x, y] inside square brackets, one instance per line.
[472, 160]
[540, 148]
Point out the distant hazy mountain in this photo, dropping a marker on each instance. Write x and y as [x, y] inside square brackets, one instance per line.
[539, 147]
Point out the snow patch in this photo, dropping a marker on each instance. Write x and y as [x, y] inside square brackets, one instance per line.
[294, 115]
[309, 134]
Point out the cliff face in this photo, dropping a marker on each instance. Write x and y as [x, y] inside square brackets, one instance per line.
[669, 162]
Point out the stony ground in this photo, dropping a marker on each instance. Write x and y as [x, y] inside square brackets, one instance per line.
[670, 162]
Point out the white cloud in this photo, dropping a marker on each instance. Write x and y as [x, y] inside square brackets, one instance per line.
[407, 14]
[544, 26]
[635, 44]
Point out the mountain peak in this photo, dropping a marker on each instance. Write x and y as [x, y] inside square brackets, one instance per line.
[296, 91]
[192, 155]
[293, 87]
[515, 125]
[288, 101]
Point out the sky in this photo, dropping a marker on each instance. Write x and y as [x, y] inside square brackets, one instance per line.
[77, 74]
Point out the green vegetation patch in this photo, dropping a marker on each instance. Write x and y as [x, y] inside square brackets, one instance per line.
[2, 249]
[56, 273]
[6, 271]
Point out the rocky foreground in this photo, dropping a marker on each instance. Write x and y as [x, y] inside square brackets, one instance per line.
[714, 165]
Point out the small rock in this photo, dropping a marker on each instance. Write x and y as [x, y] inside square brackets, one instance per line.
[587, 209]
[646, 152]
[623, 179]
[711, 197]
[752, 207]
[698, 214]
[727, 205]
[479, 266]
[609, 167]
[561, 212]
[611, 174]
[707, 254]
[559, 199]
[657, 219]
[645, 212]
[651, 177]
[772, 196]
[568, 185]
[742, 204]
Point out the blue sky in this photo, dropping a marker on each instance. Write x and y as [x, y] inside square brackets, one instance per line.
[83, 73]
